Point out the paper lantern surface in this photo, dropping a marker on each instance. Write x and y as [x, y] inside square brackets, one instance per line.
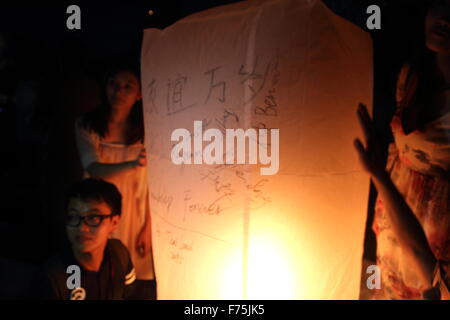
[226, 231]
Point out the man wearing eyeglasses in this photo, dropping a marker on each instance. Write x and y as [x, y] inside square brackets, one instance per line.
[103, 265]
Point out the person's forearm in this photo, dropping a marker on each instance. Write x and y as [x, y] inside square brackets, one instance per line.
[407, 228]
[108, 170]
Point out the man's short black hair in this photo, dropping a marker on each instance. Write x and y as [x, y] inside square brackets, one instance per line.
[97, 190]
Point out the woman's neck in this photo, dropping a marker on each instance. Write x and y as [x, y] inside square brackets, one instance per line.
[119, 115]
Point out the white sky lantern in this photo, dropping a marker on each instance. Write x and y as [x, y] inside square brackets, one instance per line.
[226, 230]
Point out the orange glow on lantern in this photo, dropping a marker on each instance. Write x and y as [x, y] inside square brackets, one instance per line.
[225, 230]
[271, 273]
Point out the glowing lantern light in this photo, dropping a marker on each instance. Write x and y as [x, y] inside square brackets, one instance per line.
[225, 230]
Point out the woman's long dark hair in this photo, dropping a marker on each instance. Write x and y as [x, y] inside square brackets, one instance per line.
[97, 120]
[420, 83]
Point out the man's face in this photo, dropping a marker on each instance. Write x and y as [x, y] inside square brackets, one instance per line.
[86, 237]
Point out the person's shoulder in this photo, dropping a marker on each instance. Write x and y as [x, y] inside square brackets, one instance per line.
[59, 260]
[52, 265]
[91, 115]
[80, 122]
[83, 118]
[84, 123]
[51, 279]
[115, 243]
[117, 246]
[121, 255]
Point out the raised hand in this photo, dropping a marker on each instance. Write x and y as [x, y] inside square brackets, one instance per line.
[142, 158]
[144, 241]
[370, 153]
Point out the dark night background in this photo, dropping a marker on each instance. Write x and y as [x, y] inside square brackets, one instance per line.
[44, 67]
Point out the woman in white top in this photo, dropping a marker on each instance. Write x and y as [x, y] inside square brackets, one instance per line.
[110, 144]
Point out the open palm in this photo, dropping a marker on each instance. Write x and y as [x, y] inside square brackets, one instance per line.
[370, 153]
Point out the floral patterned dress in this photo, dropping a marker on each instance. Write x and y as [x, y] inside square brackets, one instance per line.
[419, 166]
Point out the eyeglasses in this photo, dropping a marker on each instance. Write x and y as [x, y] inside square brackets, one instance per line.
[92, 220]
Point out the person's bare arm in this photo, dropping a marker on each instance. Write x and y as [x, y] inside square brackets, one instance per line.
[108, 170]
[407, 228]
